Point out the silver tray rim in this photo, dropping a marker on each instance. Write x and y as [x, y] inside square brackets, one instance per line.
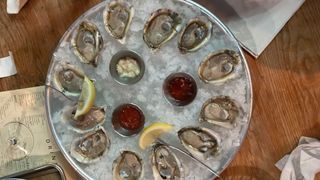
[188, 2]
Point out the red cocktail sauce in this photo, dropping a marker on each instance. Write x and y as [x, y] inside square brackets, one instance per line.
[129, 117]
[181, 89]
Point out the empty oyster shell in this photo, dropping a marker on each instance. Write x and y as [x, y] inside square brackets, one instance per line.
[165, 164]
[195, 35]
[200, 142]
[91, 147]
[162, 26]
[87, 42]
[128, 166]
[218, 67]
[85, 123]
[221, 111]
[117, 18]
[68, 79]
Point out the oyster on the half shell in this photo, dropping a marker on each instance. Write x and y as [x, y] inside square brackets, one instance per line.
[117, 18]
[219, 67]
[87, 42]
[87, 122]
[165, 164]
[91, 146]
[162, 26]
[200, 142]
[221, 111]
[195, 35]
[68, 79]
[128, 166]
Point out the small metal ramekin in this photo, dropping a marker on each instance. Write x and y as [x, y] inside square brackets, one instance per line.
[113, 67]
[121, 130]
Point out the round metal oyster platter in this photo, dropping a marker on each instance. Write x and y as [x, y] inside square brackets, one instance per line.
[158, 44]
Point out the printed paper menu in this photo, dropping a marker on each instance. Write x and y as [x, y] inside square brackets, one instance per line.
[25, 138]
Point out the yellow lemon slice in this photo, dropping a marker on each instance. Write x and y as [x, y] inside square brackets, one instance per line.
[87, 97]
[152, 132]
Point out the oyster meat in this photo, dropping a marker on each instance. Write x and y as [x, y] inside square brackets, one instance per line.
[68, 79]
[91, 146]
[200, 142]
[195, 35]
[117, 18]
[218, 67]
[128, 166]
[221, 111]
[162, 26]
[87, 42]
[96, 116]
[165, 164]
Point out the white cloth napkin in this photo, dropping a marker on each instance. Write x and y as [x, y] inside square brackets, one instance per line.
[304, 161]
[256, 22]
[14, 6]
[7, 66]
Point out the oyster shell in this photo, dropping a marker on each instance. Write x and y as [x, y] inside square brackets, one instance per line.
[162, 26]
[87, 42]
[90, 147]
[200, 142]
[165, 164]
[68, 79]
[128, 166]
[195, 35]
[221, 111]
[117, 18]
[218, 67]
[96, 116]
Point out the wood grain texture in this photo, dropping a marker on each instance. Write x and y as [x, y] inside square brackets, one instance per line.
[32, 36]
[286, 77]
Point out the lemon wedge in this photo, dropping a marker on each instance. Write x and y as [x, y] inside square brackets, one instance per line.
[152, 132]
[87, 97]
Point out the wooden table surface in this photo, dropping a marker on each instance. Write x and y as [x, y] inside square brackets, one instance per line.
[286, 77]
